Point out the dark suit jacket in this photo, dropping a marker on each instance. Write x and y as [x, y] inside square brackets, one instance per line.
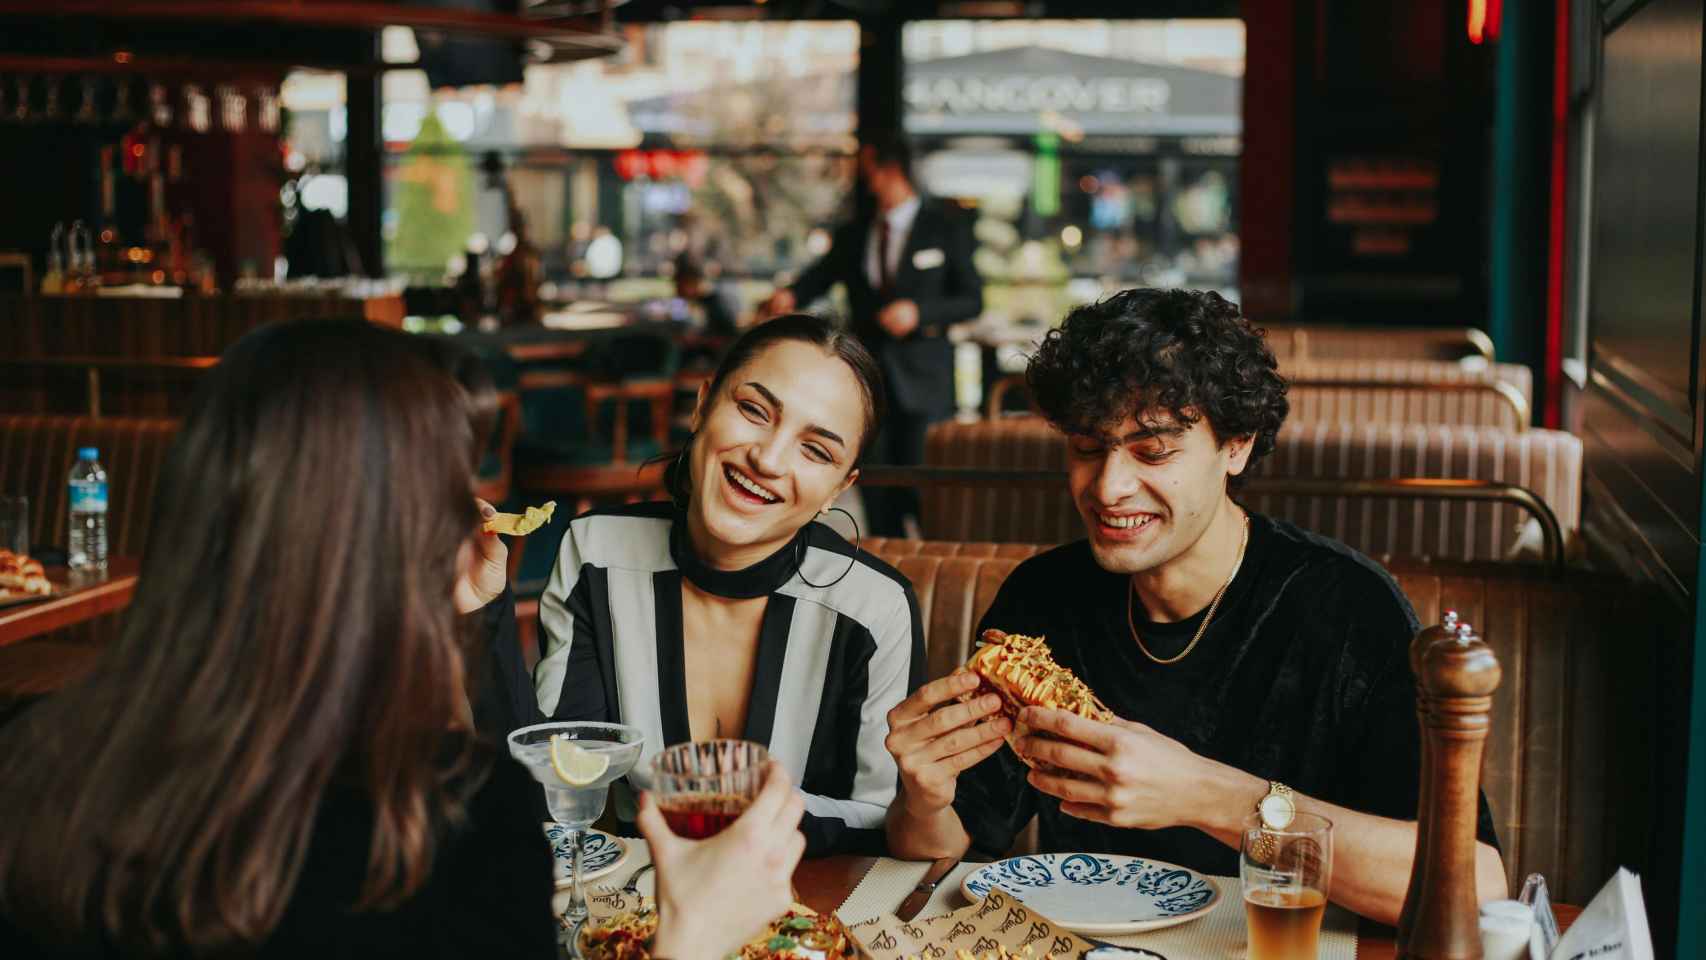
[935, 272]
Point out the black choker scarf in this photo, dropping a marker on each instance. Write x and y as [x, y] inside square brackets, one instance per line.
[758, 580]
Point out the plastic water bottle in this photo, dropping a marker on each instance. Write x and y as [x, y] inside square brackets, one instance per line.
[88, 533]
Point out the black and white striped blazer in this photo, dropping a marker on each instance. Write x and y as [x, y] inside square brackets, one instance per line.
[832, 660]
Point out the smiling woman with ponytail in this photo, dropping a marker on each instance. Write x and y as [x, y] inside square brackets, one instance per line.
[728, 611]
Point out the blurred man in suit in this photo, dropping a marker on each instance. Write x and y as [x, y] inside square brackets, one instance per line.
[908, 273]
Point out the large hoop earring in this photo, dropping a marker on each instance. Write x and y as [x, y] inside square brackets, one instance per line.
[800, 554]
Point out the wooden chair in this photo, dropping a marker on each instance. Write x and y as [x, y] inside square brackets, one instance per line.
[497, 466]
[584, 487]
[996, 406]
[13, 261]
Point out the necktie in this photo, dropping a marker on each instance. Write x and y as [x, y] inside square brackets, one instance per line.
[885, 275]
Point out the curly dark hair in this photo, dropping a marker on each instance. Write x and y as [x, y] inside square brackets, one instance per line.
[1142, 351]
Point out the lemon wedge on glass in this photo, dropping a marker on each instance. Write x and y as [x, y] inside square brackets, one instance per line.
[575, 766]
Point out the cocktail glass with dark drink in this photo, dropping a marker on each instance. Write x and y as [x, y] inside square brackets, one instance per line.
[701, 787]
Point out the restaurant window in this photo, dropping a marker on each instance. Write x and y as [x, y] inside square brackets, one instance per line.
[315, 131]
[730, 141]
[1098, 154]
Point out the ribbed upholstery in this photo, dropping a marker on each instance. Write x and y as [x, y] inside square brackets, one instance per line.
[1002, 516]
[1377, 404]
[1304, 341]
[1567, 768]
[1567, 793]
[36, 454]
[1545, 461]
[1410, 406]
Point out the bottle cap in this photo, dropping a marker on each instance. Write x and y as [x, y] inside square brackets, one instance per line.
[88, 453]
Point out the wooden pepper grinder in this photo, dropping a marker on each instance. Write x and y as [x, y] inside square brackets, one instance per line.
[1446, 629]
[1456, 684]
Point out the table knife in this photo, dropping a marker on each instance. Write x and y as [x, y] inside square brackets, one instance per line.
[920, 894]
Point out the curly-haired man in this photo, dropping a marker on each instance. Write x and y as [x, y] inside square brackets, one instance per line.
[1255, 668]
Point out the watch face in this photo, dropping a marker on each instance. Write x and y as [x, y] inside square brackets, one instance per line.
[1277, 811]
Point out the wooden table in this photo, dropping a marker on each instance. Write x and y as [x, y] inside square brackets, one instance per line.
[81, 600]
[824, 883]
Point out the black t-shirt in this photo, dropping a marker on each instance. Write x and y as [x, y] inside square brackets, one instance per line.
[489, 893]
[1302, 677]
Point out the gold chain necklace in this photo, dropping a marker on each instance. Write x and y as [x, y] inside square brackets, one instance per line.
[1212, 607]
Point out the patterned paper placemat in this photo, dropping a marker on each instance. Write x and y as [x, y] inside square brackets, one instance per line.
[1220, 933]
[639, 854]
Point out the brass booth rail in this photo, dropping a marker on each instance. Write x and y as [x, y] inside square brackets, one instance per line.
[1401, 488]
[1510, 395]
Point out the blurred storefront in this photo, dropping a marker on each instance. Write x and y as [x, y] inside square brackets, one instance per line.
[1097, 153]
[732, 142]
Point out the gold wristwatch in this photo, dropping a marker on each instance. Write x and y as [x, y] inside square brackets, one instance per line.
[1277, 807]
[1274, 811]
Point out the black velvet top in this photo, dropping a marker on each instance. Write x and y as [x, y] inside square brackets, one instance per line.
[1302, 677]
[489, 893]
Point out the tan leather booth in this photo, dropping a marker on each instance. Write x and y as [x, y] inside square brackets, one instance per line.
[1546, 462]
[1379, 389]
[1317, 341]
[1566, 768]
[1411, 392]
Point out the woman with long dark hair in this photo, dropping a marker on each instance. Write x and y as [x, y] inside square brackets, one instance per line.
[727, 611]
[276, 758]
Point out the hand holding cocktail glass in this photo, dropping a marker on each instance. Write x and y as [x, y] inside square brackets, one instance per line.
[714, 894]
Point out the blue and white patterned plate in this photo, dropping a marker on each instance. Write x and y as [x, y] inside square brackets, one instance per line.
[600, 854]
[1098, 893]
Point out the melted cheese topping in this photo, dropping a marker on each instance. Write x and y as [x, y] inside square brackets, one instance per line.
[1024, 667]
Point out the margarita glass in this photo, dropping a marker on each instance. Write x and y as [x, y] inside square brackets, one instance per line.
[576, 801]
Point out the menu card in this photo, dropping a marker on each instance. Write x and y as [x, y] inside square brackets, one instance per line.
[1613, 927]
[996, 921]
[603, 902]
[981, 930]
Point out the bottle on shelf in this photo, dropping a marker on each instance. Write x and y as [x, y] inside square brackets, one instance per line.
[108, 246]
[87, 535]
[80, 276]
[53, 280]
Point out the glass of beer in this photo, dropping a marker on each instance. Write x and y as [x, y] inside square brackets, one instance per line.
[701, 787]
[1285, 874]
